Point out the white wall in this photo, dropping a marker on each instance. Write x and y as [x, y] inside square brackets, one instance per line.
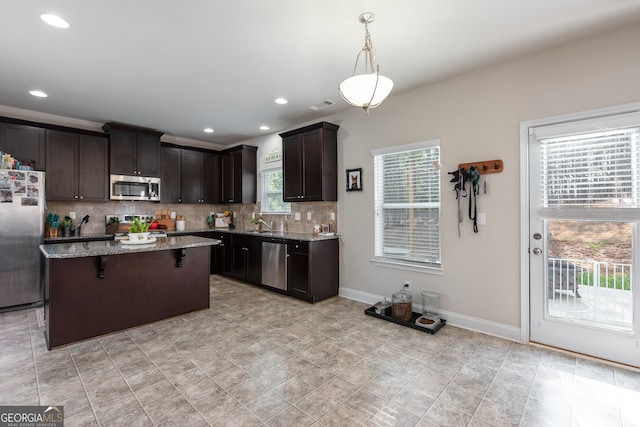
[477, 117]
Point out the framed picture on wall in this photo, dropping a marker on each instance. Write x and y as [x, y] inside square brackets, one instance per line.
[354, 179]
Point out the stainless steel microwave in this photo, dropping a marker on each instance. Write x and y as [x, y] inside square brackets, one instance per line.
[125, 187]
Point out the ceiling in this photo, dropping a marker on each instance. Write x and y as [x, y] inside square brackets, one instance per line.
[181, 66]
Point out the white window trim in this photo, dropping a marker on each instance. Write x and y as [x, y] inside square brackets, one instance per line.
[262, 190]
[408, 147]
[406, 265]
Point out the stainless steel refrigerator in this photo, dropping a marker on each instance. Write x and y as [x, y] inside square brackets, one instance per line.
[21, 233]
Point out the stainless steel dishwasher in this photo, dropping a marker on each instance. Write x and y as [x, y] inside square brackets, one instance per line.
[274, 263]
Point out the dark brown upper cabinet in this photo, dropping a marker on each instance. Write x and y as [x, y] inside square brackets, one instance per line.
[133, 151]
[239, 174]
[310, 162]
[190, 176]
[77, 167]
[200, 178]
[25, 143]
[170, 174]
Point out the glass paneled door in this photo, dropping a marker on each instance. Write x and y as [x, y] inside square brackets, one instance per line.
[584, 188]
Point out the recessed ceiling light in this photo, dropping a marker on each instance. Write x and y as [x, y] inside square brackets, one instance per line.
[281, 101]
[54, 20]
[263, 127]
[208, 130]
[38, 93]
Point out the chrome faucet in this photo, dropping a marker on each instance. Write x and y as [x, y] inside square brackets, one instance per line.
[269, 226]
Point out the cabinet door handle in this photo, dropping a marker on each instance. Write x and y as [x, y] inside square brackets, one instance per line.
[75, 197]
[81, 197]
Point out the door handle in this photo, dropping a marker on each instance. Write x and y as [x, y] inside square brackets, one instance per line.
[537, 251]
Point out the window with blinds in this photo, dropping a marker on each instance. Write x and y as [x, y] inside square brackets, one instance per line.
[271, 200]
[407, 204]
[592, 171]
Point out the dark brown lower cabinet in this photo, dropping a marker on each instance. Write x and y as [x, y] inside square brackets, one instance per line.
[312, 266]
[219, 258]
[221, 254]
[298, 268]
[246, 258]
[253, 273]
[312, 269]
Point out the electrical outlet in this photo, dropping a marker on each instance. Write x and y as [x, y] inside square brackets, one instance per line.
[253, 215]
[332, 216]
[407, 285]
[308, 216]
[482, 218]
[72, 215]
[297, 216]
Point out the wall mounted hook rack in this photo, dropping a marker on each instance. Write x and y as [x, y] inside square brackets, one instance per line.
[484, 167]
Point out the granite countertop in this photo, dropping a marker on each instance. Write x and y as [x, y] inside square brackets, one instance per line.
[275, 234]
[84, 237]
[113, 247]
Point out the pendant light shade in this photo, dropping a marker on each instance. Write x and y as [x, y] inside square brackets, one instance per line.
[369, 89]
[366, 90]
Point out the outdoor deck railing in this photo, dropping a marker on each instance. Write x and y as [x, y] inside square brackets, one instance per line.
[590, 290]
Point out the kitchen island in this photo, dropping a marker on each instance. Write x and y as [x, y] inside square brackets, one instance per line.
[99, 287]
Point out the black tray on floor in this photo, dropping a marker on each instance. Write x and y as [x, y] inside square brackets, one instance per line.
[371, 311]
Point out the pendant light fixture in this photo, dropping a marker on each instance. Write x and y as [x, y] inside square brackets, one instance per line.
[369, 89]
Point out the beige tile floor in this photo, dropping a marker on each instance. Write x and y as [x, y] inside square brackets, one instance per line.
[257, 358]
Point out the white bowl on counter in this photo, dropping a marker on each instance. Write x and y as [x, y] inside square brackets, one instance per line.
[138, 236]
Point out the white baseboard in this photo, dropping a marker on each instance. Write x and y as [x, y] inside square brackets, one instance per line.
[488, 327]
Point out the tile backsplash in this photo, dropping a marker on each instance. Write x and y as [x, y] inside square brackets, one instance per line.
[196, 215]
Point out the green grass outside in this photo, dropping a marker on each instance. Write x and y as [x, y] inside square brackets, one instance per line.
[610, 282]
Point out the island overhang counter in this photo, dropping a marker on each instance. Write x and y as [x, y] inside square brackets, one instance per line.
[95, 288]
